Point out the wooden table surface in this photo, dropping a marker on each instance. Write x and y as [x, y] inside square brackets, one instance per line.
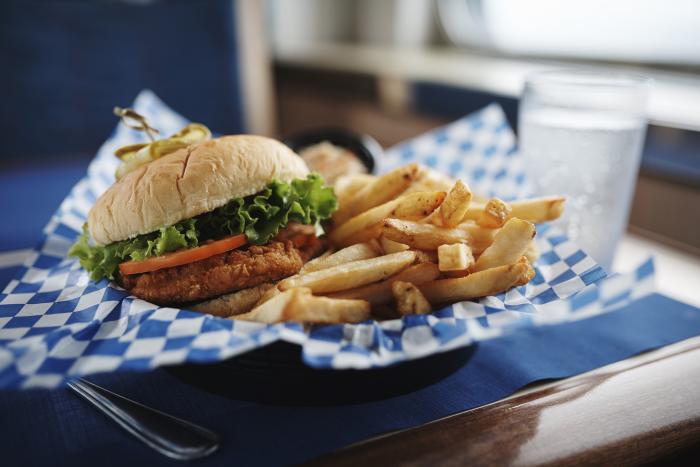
[641, 410]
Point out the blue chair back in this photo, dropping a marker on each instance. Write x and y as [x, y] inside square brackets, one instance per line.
[65, 65]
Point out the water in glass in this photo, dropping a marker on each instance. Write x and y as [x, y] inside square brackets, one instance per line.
[589, 154]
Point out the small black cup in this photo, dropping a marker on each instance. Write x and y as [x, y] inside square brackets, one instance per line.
[366, 148]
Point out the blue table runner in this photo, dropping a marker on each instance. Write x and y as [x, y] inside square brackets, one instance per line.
[65, 429]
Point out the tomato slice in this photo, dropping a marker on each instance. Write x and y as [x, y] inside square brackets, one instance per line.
[300, 241]
[178, 258]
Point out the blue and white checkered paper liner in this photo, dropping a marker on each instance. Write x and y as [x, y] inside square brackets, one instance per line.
[479, 148]
[56, 324]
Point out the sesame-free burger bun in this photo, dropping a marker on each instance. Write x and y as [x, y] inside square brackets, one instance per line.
[189, 182]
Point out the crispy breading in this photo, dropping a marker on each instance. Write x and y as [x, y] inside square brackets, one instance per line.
[235, 303]
[221, 274]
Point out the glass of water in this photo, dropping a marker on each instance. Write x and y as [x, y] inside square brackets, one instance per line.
[581, 134]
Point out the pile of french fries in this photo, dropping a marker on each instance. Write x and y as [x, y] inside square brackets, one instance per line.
[405, 243]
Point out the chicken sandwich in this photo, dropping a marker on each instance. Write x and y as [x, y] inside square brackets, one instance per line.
[206, 220]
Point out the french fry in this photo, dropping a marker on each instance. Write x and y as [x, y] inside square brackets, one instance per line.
[367, 225]
[478, 284]
[477, 198]
[532, 252]
[390, 246]
[234, 303]
[346, 255]
[409, 299]
[425, 256]
[495, 214]
[367, 235]
[317, 259]
[272, 311]
[379, 191]
[508, 245]
[452, 274]
[347, 185]
[374, 243]
[299, 305]
[479, 238]
[380, 293]
[538, 210]
[528, 274]
[456, 257]
[350, 275]
[535, 210]
[307, 308]
[270, 293]
[478, 233]
[430, 180]
[421, 236]
[452, 210]
[474, 211]
[418, 205]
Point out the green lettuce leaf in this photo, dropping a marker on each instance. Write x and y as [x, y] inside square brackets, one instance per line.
[260, 216]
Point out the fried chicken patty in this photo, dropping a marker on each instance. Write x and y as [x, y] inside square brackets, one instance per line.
[223, 273]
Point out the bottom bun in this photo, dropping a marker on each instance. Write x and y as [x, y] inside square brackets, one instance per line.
[235, 303]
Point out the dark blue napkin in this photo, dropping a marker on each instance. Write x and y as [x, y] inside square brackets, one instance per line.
[43, 427]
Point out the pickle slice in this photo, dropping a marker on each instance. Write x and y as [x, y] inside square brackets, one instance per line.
[136, 155]
[162, 147]
[124, 152]
[192, 133]
[133, 160]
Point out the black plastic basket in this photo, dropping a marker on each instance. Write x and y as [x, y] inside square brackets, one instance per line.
[275, 374]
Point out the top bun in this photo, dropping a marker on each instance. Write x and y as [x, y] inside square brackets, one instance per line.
[189, 182]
